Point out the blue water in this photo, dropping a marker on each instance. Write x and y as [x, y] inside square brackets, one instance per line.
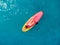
[46, 32]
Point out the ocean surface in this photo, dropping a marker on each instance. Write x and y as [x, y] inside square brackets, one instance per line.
[13, 15]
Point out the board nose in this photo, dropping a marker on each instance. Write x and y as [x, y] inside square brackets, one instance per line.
[38, 16]
[40, 13]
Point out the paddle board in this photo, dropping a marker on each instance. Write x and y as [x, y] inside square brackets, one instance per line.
[32, 21]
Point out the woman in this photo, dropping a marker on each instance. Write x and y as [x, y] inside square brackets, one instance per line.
[31, 23]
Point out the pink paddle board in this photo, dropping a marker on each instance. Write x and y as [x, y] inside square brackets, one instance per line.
[32, 21]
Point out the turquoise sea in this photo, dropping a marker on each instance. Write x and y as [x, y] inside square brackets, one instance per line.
[13, 15]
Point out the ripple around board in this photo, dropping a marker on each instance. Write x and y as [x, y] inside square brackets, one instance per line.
[7, 5]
